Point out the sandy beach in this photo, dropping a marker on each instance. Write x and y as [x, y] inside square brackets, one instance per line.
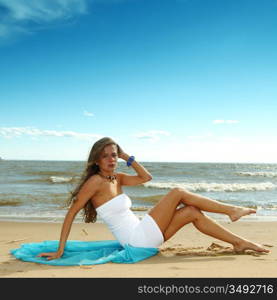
[188, 254]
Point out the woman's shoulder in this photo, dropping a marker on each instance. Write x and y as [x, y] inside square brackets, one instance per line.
[94, 179]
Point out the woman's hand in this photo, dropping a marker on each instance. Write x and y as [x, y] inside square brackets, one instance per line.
[51, 255]
[123, 156]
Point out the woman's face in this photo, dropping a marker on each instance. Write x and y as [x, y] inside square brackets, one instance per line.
[108, 158]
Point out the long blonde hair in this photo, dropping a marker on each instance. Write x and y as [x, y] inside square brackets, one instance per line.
[89, 212]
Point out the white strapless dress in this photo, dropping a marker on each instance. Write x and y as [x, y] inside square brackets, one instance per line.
[126, 226]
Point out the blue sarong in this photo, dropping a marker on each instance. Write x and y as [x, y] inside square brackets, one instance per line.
[83, 253]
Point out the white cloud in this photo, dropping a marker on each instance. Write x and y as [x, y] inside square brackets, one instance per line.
[25, 16]
[88, 114]
[153, 135]
[11, 132]
[216, 122]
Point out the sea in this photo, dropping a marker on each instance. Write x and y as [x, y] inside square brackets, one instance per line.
[37, 191]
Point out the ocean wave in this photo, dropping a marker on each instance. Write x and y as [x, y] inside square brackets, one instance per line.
[268, 207]
[51, 179]
[213, 187]
[262, 174]
[58, 179]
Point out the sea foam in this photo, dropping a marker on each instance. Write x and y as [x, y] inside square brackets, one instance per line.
[213, 187]
[57, 179]
[262, 174]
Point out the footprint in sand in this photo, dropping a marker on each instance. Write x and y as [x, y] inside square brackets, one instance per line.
[213, 250]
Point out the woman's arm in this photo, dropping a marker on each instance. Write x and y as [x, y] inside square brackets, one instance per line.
[63, 237]
[86, 192]
[142, 174]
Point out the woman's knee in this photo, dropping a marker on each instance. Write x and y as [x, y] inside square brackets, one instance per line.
[178, 191]
[193, 211]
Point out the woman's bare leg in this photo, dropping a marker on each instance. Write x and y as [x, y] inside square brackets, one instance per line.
[164, 210]
[208, 226]
[170, 219]
[207, 204]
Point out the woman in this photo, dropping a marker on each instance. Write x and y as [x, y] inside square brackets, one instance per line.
[100, 192]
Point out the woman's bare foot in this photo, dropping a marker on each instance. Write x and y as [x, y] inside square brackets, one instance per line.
[238, 212]
[243, 245]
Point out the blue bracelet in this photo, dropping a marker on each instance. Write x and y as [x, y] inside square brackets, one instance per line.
[130, 161]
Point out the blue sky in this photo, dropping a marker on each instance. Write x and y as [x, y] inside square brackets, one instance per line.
[169, 80]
